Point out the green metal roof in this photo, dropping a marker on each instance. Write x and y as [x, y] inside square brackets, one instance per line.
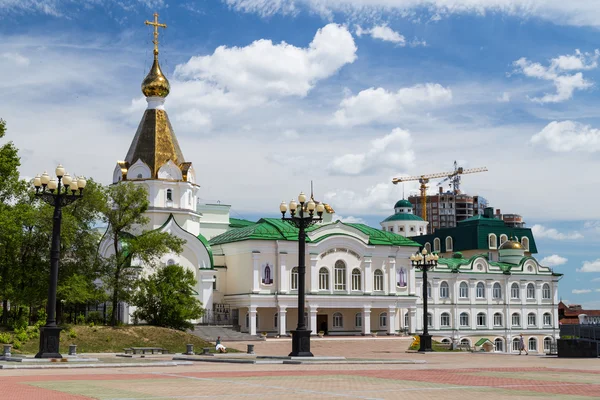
[457, 260]
[403, 204]
[377, 236]
[481, 341]
[239, 223]
[403, 217]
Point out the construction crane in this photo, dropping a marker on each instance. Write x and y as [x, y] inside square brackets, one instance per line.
[454, 176]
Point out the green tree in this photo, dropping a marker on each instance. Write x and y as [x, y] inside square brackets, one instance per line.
[166, 298]
[124, 214]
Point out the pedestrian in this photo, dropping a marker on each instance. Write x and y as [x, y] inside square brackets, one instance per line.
[219, 347]
[522, 345]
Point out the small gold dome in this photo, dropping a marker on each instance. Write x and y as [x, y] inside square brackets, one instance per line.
[155, 83]
[511, 245]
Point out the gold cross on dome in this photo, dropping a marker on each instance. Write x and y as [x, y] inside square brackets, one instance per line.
[156, 25]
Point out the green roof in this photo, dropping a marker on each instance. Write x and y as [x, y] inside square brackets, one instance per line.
[403, 204]
[239, 223]
[481, 341]
[457, 260]
[403, 217]
[276, 229]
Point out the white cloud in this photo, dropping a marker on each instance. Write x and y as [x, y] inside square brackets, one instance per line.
[351, 220]
[505, 98]
[16, 58]
[264, 69]
[290, 134]
[580, 291]
[379, 104]
[553, 260]
[590, 266]
[564, 136]
[595, 280]
[541, 231]
[382, 32]
[391, 151]
[558, 73]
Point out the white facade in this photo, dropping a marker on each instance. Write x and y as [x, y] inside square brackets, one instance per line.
[404, 222]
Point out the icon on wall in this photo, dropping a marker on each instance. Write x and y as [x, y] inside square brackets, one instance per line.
[401, 277]
[267, 274]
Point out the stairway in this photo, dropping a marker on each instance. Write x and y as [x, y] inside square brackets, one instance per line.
[227, 333]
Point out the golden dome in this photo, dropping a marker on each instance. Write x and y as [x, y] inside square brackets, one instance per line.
[511, 245]
[155, 83]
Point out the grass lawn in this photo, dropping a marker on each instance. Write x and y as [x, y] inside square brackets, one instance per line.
[105, 339]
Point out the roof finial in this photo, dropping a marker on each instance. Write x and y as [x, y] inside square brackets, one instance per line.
[156, 85]
[156, 25]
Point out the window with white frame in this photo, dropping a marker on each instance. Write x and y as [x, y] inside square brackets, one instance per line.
[358, 320]
[546, 292]
[445, 320]
[406, 322]
[449, 243]
[547, 319]
[340, 275]
[525, 243]
[497, 291]
[444, 290]
[497, 319]
[436, 245]
[516, 319]
[514, 291]
[356, 281]
[378, 280]
[169, 195]
[463, 290]
[480, 290]
[531, 319]
[464, 319]
[465, 341]
[498, 344]
[532, 344]
[547, 343]
[428, 247]
[503, 238]
[382, 320]
[428, 290]
[430, 320]
[481, 320]
[294, 280]
[515, 344]
[492, 241]
[275, 320]
[323, 279]
[338, 320]
[530, 291]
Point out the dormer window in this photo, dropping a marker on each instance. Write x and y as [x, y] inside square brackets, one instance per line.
[169, 195]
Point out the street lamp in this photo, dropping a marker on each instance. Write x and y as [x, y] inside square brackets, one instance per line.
[303, 219]
[56, 193]
[424, 262]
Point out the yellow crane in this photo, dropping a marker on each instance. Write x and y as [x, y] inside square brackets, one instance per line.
[454, 176]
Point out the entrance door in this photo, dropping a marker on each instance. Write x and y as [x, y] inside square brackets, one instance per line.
[322, 323]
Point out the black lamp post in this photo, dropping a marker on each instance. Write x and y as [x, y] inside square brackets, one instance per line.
[304, 219]
[56, 193]
[424, 262]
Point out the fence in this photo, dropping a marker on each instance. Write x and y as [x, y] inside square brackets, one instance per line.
[589, 332]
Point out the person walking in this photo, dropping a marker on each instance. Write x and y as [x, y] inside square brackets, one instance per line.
[219, 347]
[522, 345]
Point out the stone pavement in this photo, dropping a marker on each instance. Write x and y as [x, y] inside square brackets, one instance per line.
[450, 376]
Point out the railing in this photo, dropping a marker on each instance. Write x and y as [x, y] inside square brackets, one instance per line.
[220, 315]
[589, 332]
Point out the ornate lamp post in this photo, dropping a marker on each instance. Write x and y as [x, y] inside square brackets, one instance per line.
[424, 262]
[304, 219]
[58, 192]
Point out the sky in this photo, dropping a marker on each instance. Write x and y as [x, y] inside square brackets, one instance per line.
[267, 95]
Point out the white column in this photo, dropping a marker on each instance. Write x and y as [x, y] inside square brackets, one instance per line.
[313, 274]
[368, 275]
[472, 297]
[252, 318]
[386, 278]
[391, 320]
[412, 281]
[282, 279]
[312, 320]
[366, 314]
[412, 318]
[348, 279]
[392, 275]
[255, 271]
[488, 298]
[282, 316]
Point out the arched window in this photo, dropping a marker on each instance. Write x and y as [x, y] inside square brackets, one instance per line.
[449, 243]
[480, 290]
[323, 279]
[531, 319]
[515, 344]
[444, 290]
[445, 320]
[547, 343]
[338, 320]
[275, 320]
[169, 195]
[497, 291]
[358, 320]
[530, 291]
[340, 275]
[383, 320]
[294, 280]
[497, 319]
[463, 290]
[170, 261]
[498, 344]
[532, 344]
[378, 280]
[401, 277]
[436, 245]
[430, 320]
[492, 241]
[428, 247]
[465, 342]
[356, 281]
[546, 292]
[514, 291]
[464, 319]
[215, 282]
[481, 320]
[503, 238]
[525, 243]
[446, 341]
[547, 319]
[516, 319]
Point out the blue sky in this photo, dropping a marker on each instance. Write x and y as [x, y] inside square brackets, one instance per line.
[269, 94]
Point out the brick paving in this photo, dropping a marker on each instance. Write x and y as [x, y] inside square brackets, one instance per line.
[459, 376]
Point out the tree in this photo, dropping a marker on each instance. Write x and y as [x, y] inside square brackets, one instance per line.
[124, 214]
[166, 298]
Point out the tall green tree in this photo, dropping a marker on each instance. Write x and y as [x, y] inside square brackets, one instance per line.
[166, 298]
[124, 214]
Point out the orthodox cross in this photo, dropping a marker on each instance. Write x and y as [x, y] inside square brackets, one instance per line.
[156, 25]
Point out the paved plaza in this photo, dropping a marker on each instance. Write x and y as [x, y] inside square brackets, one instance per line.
[442, 376]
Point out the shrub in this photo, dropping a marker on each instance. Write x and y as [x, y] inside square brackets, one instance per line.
[72, 333]
[41, 321]
[5, 338]
[16, 344]
[22, 336]
[20, 323]
[95, 317]
[80, 320]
